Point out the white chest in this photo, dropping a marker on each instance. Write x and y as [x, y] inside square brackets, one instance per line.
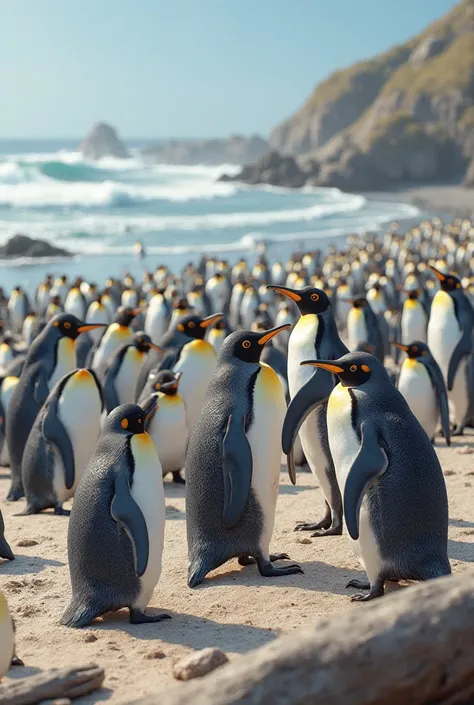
[75, 305]
[356, 328]
[301, 346]
[169, 432]
[114, 337]
[147, 491]
[127, 376]
[197, 363]
[413, 323]
[65, 361]
[415, 385]
[443, 330]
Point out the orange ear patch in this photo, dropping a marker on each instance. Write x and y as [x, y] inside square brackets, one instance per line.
[180, 327]
[366, 368]
[124, 423]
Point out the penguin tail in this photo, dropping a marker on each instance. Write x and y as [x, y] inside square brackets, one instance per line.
[79, 615]
[196, 573]
[5, 550]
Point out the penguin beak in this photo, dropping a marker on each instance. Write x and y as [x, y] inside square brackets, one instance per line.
[206, 322]
[329, 366]
[91, 326]
[271, 333]
[156, 347]
[136, 311]
[439, 274]
[289, 293]
[150, 407]
[400, 346]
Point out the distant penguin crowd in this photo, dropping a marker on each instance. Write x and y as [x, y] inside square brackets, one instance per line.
[355, 362]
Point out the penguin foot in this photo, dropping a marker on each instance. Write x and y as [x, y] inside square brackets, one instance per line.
[359, 584]
[15, 493]
[279, 557]
[458, 431]
[307, 526]
[6, 551]
[178, 479]
[246, 560]
[16, 661]
[60, 512]
[269, 571]
[376, 590]
[332, 531]
[139, 617]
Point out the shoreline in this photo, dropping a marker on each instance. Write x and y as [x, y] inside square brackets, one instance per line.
[439, 197]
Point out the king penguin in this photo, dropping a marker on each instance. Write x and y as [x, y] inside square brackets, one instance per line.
[395, 500]
[50, 357]
[450, 340]
[7, 386]
[314, 335]
[421, 383]
[123, 369]
[121, 500]
[233, 463]
[168, 427]
[363, 327]
[18, 307]
[413, 319]
[61, 442]
[117, 334]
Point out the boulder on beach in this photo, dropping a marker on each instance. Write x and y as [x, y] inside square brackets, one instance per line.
[274, 169]
[24, 246]
[103, 141]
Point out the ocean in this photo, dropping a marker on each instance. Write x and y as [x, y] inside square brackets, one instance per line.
[99, 210]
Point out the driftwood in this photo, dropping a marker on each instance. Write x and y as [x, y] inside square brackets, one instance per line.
[56, 684]
[413, 647]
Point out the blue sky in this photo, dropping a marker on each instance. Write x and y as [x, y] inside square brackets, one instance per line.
[156, 68]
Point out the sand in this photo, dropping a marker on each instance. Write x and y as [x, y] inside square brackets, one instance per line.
[236, 609]
[435, 198]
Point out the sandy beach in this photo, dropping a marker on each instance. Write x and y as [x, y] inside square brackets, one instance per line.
[236, 609]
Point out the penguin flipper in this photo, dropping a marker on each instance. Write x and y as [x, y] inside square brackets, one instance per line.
[439, 386]
[237, 471]
[315, 392]
[462, 349]
[371, 462]
[41, 389]
[169, 360]
[126, 512]
[54, 432]
[111, 400]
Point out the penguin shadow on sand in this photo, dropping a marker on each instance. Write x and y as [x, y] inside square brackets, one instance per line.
[188, 630]
[461, 550]
[173, 492]
[23, 565]
[23, 672]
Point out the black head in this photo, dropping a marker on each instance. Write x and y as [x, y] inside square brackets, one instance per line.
[360, 302]
[143, 343]
[353, 369]
[447, 282]
[413, 294]
[125, 315]
[248, 345]
[68, 326]
[167, 382]
[130, 419]
[414, 350]
[195, 326]
[309, 300]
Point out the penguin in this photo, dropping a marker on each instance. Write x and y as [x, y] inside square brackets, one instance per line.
[59, 289]
[314, 335]
[75, 301]
[96, 313]
[197, 362]
[42, 296]
[7, 385]
[61, 442]
[157, 316]
[117, 334]
[450, 336]
[218, 290]
[395, 500]
[50, 357]
[30, 328]
[5, 550]
[120, 499]
[18, 307]
[413, 319]
[7, 637]
[54, 308]
[167, 427]
[233, 463]
[363, 327]
[123, 369]
[7, 352]
[217, 334]
[421, 383]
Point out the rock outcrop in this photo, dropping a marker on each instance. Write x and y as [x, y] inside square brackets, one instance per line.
[24, 246]
[234, 150]
[103, 141]
[406, 115]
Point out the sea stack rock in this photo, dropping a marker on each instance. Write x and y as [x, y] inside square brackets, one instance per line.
[103, 141]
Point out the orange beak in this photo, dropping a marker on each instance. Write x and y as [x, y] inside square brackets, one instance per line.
[271, 333]
[400, 346]
[329, 366]
[91, 326]
[290, 293]
[439, 274]
[206, 322]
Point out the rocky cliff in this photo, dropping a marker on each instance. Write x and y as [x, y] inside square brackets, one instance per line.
[234, 150]
[103, 141]
[406, 115]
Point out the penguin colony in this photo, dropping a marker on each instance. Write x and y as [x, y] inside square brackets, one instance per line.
[353, 361]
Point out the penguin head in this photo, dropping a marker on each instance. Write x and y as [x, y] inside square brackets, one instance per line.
[309, 299]
[125, 315]
[130, 419]
[68, 326]
[167, 382]
[447, 282]
[353, 369]
[413, 294]
[360, 302]
[247, 345]
[414, 350]
[195, 326]
[142, 342]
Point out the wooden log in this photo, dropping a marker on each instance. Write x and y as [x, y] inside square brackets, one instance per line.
[413, 647]
[54, 684]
